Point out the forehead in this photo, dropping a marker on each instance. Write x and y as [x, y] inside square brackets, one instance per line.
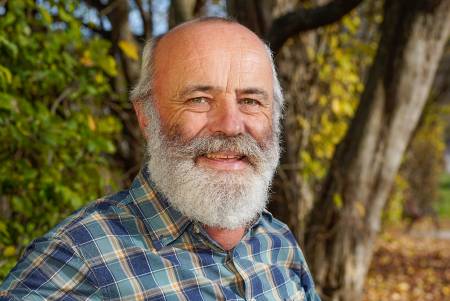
[216, 51]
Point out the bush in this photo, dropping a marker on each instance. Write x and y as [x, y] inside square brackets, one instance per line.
[55, 130]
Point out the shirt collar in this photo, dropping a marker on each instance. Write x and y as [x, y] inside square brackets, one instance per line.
[161, 219]
[264, 215]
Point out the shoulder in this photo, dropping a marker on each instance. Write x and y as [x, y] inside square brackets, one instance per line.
[269, 225]
[276, 239]
[99, 227]
[284, 248]
[78, 248]
[94, 212]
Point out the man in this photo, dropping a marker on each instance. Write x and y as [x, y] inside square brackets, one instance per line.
[193, 225]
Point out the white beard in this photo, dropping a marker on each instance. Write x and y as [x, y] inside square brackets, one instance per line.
[224, 199]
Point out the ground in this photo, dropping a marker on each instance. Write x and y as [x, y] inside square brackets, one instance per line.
[411, 266]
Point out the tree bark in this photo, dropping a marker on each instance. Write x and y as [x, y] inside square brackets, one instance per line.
[146, 18]
[181, 11]
[346, 217]
[302, 19]
[121, 32]
[292, 196]
[117, 12]
[254, 14]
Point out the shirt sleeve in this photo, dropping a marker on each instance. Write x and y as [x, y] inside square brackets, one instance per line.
[307, 280]
[50, 269]
[312, 295]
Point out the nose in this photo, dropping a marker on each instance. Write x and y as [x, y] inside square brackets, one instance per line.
[226, 118]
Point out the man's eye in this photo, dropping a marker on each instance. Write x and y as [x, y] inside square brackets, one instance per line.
[249, 101]
[198, 100]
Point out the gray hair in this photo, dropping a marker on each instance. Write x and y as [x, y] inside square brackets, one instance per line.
[143, 89]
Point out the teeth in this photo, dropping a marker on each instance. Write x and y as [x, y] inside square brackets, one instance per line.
[222, 156]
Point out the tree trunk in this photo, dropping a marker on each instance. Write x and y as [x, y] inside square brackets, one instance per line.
[346, 217]
[146, 17]
[293, 198]
[181, 11]
[122, 39]
[254, 14]
[121, 33]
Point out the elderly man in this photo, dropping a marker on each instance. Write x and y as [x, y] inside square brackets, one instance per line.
[193, 225]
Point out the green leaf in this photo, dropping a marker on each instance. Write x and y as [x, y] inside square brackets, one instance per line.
[8, 46]
[337, 200]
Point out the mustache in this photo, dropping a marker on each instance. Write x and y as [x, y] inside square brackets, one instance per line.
[243, 144]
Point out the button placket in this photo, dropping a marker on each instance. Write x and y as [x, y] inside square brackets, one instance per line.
[229, 262]
[247, 294]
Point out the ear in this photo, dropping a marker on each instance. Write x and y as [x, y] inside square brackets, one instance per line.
[141, 117]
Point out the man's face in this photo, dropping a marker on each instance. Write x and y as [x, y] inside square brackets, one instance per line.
[215, 79]
[212, 151]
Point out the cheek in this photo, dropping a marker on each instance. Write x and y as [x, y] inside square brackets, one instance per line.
[260, 127]
[187, 124]
[175, 121]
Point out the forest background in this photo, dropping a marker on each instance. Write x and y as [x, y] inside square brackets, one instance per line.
[366, 127]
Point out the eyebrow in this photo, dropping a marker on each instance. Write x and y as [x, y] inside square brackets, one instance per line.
[209, 88]
[196, 88]
[257, 91]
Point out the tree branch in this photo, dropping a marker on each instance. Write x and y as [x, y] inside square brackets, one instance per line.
[254, 14]
[300, 20]
[146, 19]
[97, 4]
[106, 34]
[199, 6]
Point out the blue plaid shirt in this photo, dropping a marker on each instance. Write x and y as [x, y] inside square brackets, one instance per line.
[134, 246]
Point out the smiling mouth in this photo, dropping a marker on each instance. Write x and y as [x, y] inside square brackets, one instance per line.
[224, 156]
[223, 161]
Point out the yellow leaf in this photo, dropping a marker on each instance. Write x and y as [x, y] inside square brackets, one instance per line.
[303, 122]
[99, 79]
[333, 42]
[108, 64]
[129, 49]
[446, 290]
[323, 100]
[86, 60]
[310, 52]
[336, 106]
[359, 206]
[403, 286]
[91, 123]
[9, 251]
[46, 16]
[337, 200]
[4, 72]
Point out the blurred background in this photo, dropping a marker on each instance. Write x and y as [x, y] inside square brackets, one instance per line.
[364, 182]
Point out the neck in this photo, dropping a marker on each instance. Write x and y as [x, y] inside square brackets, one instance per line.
[226, 238]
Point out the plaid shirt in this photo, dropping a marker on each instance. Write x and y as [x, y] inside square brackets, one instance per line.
[134, 246]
